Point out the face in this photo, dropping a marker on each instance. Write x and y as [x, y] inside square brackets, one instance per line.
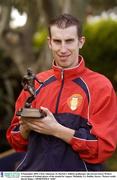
[65, 45]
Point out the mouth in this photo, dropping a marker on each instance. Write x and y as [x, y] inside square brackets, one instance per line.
[63, 56]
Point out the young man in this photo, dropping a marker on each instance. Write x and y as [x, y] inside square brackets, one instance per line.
[79, 131]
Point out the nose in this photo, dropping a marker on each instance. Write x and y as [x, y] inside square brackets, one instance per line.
[63, 48]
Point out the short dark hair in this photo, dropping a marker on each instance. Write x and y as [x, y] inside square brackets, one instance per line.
[64, 21]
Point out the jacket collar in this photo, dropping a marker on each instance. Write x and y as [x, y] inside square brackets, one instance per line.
[70, 72]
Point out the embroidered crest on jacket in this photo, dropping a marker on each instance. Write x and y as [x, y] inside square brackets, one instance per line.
[74, 101]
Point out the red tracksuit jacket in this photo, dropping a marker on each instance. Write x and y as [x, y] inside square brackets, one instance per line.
[79, 99]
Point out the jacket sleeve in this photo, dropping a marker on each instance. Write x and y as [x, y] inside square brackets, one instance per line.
[13, 134]
[97, 143]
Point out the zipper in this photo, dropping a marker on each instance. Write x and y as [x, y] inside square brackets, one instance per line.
[59, 95]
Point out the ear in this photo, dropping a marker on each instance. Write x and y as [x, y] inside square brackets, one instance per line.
[49, 42]
[81, 42]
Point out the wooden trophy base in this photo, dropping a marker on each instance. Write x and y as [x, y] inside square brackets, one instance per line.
[31, 113]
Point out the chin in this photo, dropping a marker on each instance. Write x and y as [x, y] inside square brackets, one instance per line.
[65, 66]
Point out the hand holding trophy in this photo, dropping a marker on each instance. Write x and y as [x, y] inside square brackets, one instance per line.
[28, 83]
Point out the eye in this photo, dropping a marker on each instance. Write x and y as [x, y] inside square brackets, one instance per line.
[57, 41]
[69, 40]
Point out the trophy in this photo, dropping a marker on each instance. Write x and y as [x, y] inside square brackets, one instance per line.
[28, 84]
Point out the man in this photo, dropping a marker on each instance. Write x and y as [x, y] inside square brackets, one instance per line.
[79, 131]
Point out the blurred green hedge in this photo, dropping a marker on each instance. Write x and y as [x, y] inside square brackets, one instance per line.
[100, 49]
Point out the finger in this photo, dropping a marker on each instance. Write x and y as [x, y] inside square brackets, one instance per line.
[19, 117]
[34, 127]
[45, 110]
[20, 122]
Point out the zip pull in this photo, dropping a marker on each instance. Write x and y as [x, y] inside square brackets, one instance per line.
[62, 74]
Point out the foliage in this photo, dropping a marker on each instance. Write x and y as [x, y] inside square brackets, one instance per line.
[111, 163]
[100, 48]
[39, 38]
